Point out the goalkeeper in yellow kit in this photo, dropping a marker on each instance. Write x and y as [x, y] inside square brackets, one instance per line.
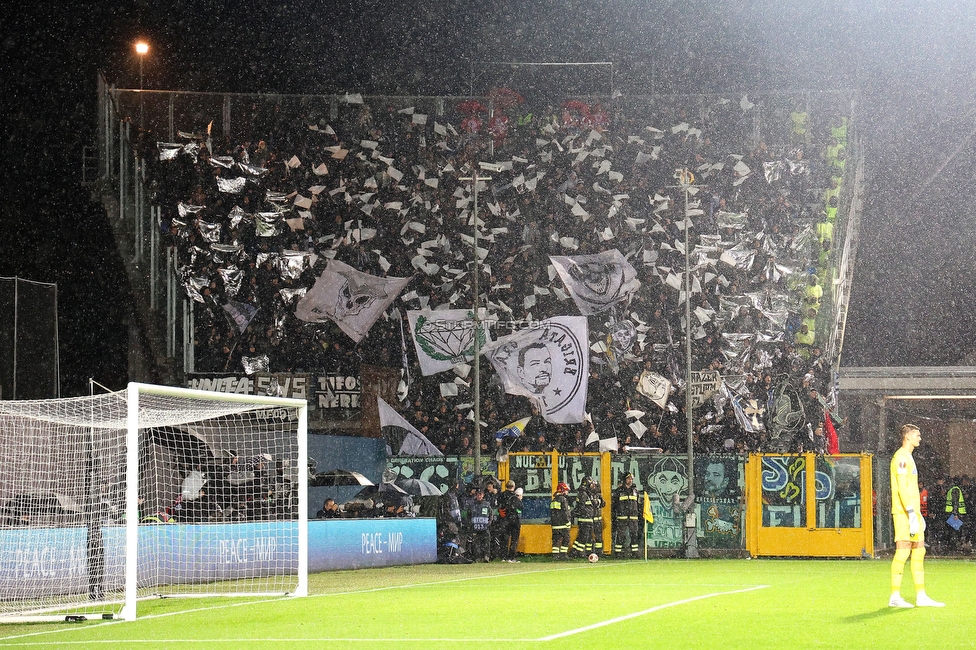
[909, 525]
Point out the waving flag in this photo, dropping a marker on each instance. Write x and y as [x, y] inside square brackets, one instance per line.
[648, 514]
[352, 299]
[654, 387]
[508, 435]
[402, 436]
[443, 338]
[784, 415]
[513, 430]
[548, 363]
[747, 412]
[597, 282]
[833, 446]
[241, 314]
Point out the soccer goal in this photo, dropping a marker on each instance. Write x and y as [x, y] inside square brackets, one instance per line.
[149, 492]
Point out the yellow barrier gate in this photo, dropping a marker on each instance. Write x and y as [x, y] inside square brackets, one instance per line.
[537, 473]
[809, 505]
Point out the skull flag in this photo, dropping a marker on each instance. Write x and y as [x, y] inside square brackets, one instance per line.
[350, 298]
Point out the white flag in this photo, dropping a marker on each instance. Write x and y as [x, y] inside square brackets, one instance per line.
[444, 338]
[402, 436]
[597, 282]
[549, 363]
[704, 384]
[654, 387]
[350, 298]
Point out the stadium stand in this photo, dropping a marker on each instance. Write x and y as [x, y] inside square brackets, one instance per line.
[251, 216]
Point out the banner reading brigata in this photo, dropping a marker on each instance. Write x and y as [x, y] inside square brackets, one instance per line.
[548, 363]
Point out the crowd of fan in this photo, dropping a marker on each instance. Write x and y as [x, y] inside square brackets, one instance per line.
[380, 188]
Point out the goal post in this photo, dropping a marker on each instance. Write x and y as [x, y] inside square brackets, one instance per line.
[152, 491]
[258, 543]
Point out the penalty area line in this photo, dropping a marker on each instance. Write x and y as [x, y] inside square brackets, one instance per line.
[651, 610]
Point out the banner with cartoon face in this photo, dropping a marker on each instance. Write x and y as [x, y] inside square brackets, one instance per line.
[548, 363]
[597, 282]
[352, 299]
[654, 387]
[784, 411]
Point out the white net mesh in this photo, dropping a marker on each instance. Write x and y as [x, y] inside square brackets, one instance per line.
[217, 491]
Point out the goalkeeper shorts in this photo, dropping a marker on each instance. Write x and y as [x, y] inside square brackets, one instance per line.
[901, 529]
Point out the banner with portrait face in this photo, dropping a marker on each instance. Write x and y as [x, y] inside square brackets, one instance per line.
[548, 363]
[720, 481]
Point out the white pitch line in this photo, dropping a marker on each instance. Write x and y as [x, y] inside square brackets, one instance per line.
[432, 583]
[244, 640]
[657, 608]
[247, 603]
[184, 641]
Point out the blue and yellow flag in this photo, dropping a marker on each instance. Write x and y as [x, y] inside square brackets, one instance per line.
[513, 430]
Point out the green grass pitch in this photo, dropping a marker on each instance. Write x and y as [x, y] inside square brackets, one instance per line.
[610, 604]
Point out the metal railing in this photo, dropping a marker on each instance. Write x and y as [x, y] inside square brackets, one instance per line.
[132, 121]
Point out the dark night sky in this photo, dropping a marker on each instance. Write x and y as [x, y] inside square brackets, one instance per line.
[914, 63]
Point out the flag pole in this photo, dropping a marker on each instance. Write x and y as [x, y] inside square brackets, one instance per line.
[477, 329]
[688, 406]
[685, 180]
[645, 539]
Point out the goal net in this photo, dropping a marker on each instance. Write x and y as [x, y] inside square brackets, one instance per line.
[153, 491]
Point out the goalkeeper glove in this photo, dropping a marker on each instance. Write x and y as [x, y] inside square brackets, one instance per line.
[912, 523]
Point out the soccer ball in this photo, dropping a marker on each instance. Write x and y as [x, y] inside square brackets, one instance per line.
[593, 557]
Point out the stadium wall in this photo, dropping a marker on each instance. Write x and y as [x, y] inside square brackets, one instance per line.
[56, 559]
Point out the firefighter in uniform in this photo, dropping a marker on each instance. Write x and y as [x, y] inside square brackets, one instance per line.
[626, 515]
[559, 516]
[584, 511]
[598, 504]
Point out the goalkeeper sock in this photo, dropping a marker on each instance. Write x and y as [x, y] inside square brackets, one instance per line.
[898, 568]
[918, 570]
